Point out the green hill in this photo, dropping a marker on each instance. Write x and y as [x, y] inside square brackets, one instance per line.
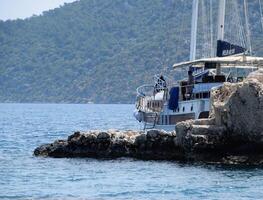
[95, 50]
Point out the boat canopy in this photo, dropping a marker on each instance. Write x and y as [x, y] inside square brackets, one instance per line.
[229, 61]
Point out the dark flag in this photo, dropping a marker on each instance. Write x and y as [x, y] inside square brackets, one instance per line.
[227, 49]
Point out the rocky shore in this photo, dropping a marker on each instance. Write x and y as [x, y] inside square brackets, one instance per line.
[233, 134]
[113, 143]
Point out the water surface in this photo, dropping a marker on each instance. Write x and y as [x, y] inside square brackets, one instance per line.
[23, 176]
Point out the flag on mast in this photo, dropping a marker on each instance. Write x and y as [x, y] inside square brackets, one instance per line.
[227, 49]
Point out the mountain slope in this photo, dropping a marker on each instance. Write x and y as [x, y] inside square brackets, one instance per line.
[93, 50]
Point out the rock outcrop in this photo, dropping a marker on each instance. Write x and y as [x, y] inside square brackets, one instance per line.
[239, 107]
[154, 144]
[233, 134]
[235, 127]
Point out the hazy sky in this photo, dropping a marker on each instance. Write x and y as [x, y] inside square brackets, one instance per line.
[13, 9]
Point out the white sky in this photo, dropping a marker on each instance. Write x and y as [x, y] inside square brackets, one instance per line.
[13, 9]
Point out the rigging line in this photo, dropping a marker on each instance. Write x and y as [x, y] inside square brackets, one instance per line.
[194, 29]
[205, 30]
[229, 26]
[247, 27]
[239, 40]
[239, 24]
[261, 15]
[211, 29]
[234, 23]
[164, 44]
[243, 34]
[180, 22]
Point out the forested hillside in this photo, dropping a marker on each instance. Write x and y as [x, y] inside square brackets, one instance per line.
[95, 50]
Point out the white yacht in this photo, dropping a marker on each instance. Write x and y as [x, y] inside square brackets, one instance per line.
[165, 103]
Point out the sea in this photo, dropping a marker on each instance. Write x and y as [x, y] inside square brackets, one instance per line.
[23, 127]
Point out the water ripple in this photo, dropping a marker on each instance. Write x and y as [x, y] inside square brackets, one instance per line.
[23, 176]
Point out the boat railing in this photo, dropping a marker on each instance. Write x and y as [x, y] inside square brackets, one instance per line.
[145, 90]
[152, 99]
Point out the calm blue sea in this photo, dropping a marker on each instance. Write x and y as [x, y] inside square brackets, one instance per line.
[23, 176]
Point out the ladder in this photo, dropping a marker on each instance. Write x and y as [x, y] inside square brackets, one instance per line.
[151, 120]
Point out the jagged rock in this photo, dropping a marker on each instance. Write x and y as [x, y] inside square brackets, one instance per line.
[141, 139]
[235, 125]
[257, 75]
[239, 107]
[192, 137]
[154, 144]
[91, 137]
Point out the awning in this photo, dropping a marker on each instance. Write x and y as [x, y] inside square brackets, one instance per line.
[229, 61]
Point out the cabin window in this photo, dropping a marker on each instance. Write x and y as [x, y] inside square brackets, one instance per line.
[183, 109]
[192, 108]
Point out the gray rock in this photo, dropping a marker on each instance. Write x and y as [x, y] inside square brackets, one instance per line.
[182, 130]
[235, 123]
[155, 134]
[103, 136]
[74, 136]
[91, 137]
[239, 107]
[141, 139]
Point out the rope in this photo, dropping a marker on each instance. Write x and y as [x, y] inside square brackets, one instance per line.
[241, 33]
[261, 15]
[182, 26]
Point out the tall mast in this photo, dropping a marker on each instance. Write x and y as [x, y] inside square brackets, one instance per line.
[247, 27]
[194, 29]
[221, 28]
[221, 19]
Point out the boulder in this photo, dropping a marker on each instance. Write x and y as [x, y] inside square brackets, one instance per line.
[239, 107]
[141, 139]
[103, 136]
[196, 138]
